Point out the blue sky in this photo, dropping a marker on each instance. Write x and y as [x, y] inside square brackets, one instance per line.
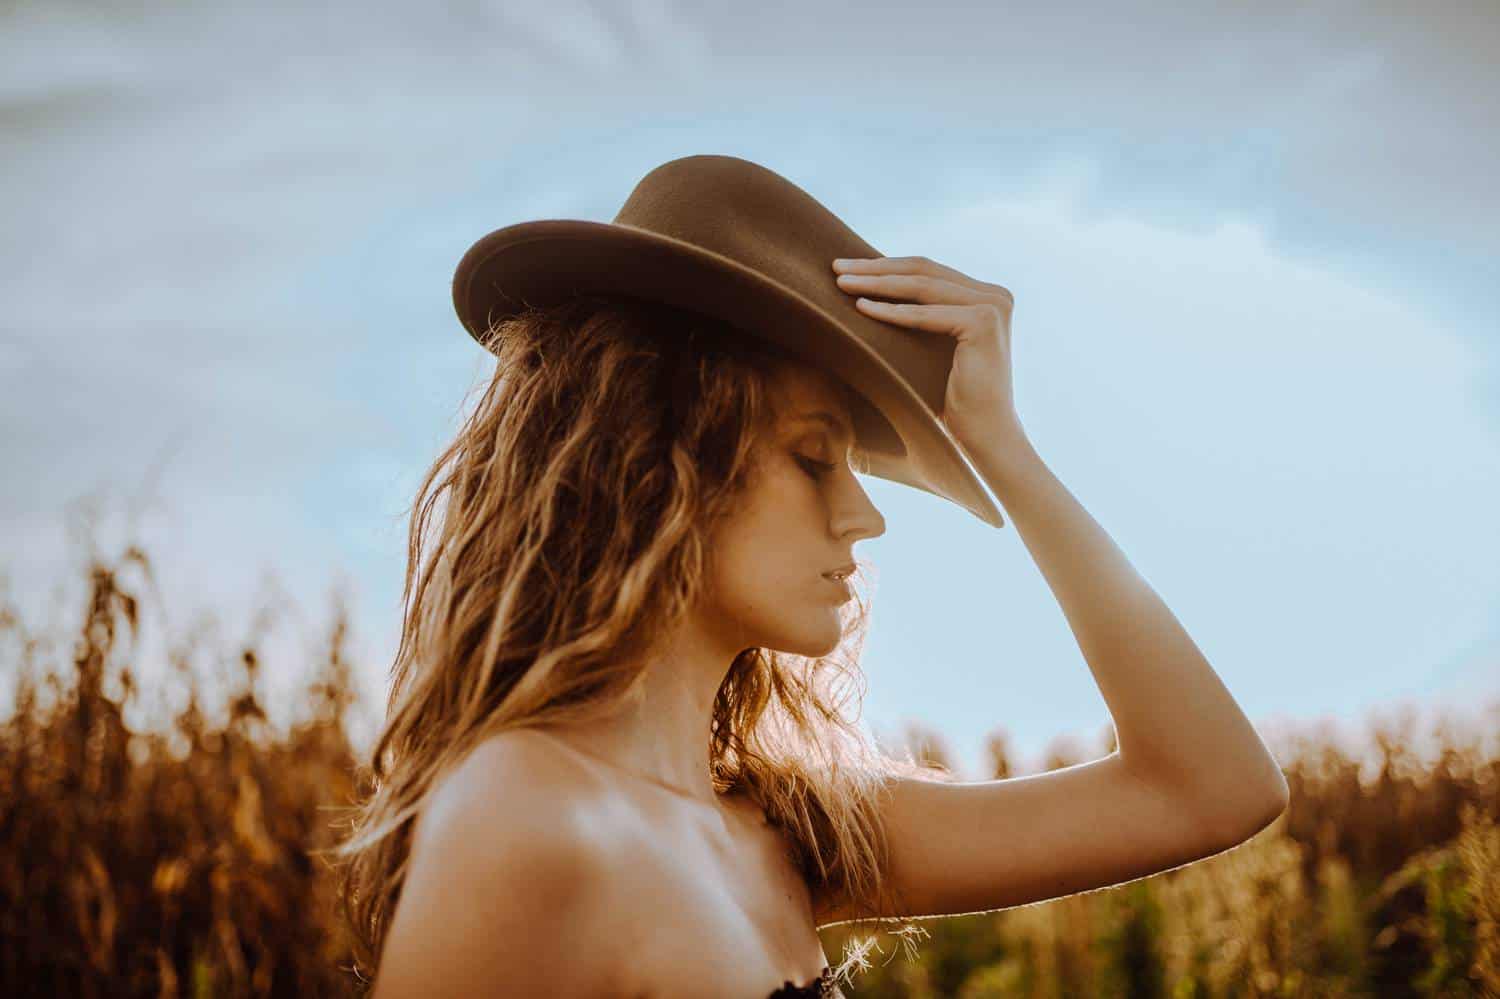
[1253, 254]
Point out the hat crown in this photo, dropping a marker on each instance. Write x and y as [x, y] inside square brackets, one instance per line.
[731, 239]
[748, 213]
[759, 219]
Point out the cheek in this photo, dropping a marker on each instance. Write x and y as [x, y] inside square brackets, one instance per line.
[763, 587]
[775, 604]
[786, 607]
[762, 562]
[753, 583]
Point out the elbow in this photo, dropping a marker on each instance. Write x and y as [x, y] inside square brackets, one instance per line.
[1263, 796]
[1249, 819]
[1278, 797]
[1272, 809]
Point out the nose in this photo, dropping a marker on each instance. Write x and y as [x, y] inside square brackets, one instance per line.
[854, 516]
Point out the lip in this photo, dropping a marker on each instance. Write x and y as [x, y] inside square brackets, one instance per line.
[847, 568]
[843, 586]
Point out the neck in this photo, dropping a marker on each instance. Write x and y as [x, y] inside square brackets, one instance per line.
[663, 736]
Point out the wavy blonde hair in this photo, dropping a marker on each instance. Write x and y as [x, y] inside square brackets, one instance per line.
[579, 501]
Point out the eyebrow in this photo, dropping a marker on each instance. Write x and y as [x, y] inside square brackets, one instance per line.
[827, 419]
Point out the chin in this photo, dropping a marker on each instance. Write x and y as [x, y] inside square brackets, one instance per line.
[818, 642]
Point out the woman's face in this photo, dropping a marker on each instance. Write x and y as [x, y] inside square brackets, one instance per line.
[800, 519]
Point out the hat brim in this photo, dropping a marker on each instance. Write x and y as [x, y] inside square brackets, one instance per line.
[544, 262]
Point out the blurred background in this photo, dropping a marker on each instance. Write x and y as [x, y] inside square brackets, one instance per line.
[1253, 251]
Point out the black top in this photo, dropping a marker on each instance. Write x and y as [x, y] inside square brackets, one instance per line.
[822, 987]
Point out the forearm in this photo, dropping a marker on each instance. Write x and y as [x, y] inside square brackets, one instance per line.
[1174, 719]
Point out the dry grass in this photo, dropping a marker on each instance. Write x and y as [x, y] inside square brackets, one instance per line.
[171, 861]
[174, 858]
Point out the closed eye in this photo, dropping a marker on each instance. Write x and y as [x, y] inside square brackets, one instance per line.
[817, 469]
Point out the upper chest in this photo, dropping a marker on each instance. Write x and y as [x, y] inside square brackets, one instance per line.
[702, 906]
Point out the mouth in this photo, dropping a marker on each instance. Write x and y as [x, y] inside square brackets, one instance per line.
[841, 573]
[846, 593]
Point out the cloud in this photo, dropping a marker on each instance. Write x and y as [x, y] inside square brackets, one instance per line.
[1253, 261]
[1293, 458]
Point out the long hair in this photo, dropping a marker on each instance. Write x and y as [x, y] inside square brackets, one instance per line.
[578, 504]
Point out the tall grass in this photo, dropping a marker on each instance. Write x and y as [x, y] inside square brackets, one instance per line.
[174, 860]
[177, 856]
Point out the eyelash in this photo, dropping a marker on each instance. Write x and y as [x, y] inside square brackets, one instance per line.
[821, 467]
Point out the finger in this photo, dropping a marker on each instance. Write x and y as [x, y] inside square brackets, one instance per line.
[953, 320]
[914, 288]
[916, 265]
[898, 265]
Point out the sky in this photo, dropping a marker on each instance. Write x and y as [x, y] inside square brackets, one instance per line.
[1253, 251]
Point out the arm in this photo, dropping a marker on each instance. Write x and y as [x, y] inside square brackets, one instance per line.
[1190, 777]
[1177, 726]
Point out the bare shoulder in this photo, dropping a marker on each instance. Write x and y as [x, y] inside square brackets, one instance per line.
[514, 787]
[503, 886]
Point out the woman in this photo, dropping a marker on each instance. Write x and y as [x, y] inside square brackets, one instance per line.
[615, 760]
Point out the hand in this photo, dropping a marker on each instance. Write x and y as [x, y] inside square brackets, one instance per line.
[978, 405]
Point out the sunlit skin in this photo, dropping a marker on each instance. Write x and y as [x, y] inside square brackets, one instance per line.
[1190, 776]
[687, 874]
[801, 517]
[800, 520]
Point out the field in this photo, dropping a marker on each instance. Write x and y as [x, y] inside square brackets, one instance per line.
[178, 858]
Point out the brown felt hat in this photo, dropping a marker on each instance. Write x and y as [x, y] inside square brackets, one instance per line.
[731, 239]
